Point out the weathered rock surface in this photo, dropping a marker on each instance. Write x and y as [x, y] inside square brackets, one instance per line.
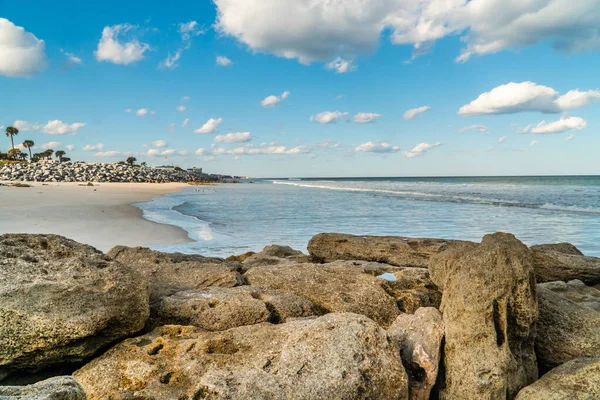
[566, 330]
[337, 356]
[490, 309]
[61, 301]
[59, 388]
[413, 289]
[393, 250]
[331, 287]
[576, 291]
[574, 380]
[419, 339]
[275, 255]
[565, 248]
[218, 309]
[552, 265]
[169, 273]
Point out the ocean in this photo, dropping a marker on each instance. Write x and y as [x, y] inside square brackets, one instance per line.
[235, 218]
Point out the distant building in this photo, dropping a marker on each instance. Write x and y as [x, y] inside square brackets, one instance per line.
[195, 171]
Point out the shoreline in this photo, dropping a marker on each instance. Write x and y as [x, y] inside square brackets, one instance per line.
[102, 216]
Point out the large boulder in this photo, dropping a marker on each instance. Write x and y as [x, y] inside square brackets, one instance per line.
[331, 287]
[393, 250]
[565, 248]
[169, 273]
[419, 339]
[218, 309]
[576, 291]
[59, 388]
[337, 356]
[274, 255]
[489, 306]
[62, 301]
[553, 265]
[574, 380]
[566, 330]
[412, 288]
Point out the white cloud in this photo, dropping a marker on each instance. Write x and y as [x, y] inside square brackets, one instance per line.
[527, 96]
[21, 53]
[410, 114]
[189, 29]
[341, 66]
[533, 143]
[562, 125]
[160, 143]
[376, 147]
[171, 61]
[72, 59]
[94, 147]
[328, 117]
[112, 153]
[57, 127]
[223, 61]
[70, 147]
[111, 49]
[502, 139]
[24, 126]
[365, 118]
[128, 110]
[234, 137]
[570, 137]
[51, 145]
[420, 149]
[201, 151]
[168, 152]
[141, 112]
[272, 101]
[181, 108]
[478, 128]
[210, 126]
[185, 122]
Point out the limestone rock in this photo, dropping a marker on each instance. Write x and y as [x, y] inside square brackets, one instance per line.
[419, 339]
[566, 330]
[552, 265]
[413, 289]
[574, 380]
[576, 291]
[337, 356]
[61, 301]
[565, 248]
[59, 388]
[490, 309]
[274, 255]
[332, 288]
[169, 273]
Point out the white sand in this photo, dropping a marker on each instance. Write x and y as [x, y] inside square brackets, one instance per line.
[101, 216]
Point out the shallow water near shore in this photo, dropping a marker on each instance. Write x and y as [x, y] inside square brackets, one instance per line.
[235, 218]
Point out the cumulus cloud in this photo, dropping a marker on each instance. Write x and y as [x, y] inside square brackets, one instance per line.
[168, 152]
[210, 126]
[70, 147]
[328, 117]
[201, 151]
[51, 145]
[21, 53]
[24, 126]
[341, 66]
[142, 112]
[94, 147]
[160, 143]
[410, 114]
[57, 127]
[420, 149]
[113, 47]
[562, 125]
[365, 118]
[72, 59]
[112, 153]
[234, 137]
[376, 147]
[272, 101]
[527, 96]
[478, 128]
[223, 61]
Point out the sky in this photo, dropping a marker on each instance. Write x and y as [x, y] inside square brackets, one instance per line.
[308, 88]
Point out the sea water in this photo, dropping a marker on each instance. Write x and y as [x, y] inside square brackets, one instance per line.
[235, 218]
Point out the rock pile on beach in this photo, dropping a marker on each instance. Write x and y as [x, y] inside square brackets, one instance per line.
[54, 171]
[357, 318]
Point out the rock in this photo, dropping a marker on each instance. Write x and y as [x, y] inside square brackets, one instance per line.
[565, 248]
[274, 255]
[577, 292]
[419, 339]
[490, 310]
[219, 309]
[398, 251]
[170, 273]
[62, 301]
[337, 356]
[574, 380]
[412, 289]
[552, 265]
[332, 288]
[59, 388]
[566, 330]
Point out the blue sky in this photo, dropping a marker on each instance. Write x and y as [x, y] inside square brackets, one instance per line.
[535, 67]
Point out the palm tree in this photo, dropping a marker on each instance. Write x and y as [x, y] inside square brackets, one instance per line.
[28, 144]
[60, 154]
[131, 160]
[13, 154]
[22, 156]
[48, 153]
[10, 132]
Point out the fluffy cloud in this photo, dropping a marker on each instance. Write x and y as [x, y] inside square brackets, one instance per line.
[72, 59]
[142, 112]
[160, 143]
[341, 66]
[210, 126]
[21, 53]
[94, 147]
[234, 137]
[70, 147]
[478, 128]
[153, 153]
[272, 101]
[328, 117]
[112, 153]
[420, 149]
[562, 125]
[527, 96]
[223, 61]
[111, 49]
[265, 149]
[57, 127]
[168, 152]
[24, 126]
[410, 114]
[51, 145]
[365, 118]
[376, 147]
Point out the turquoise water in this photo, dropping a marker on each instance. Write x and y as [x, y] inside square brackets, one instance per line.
[235, 218]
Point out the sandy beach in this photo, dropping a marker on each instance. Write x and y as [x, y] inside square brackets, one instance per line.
[102, 215]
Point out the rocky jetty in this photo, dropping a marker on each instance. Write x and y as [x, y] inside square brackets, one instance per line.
[54, 171]
[374, 318]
